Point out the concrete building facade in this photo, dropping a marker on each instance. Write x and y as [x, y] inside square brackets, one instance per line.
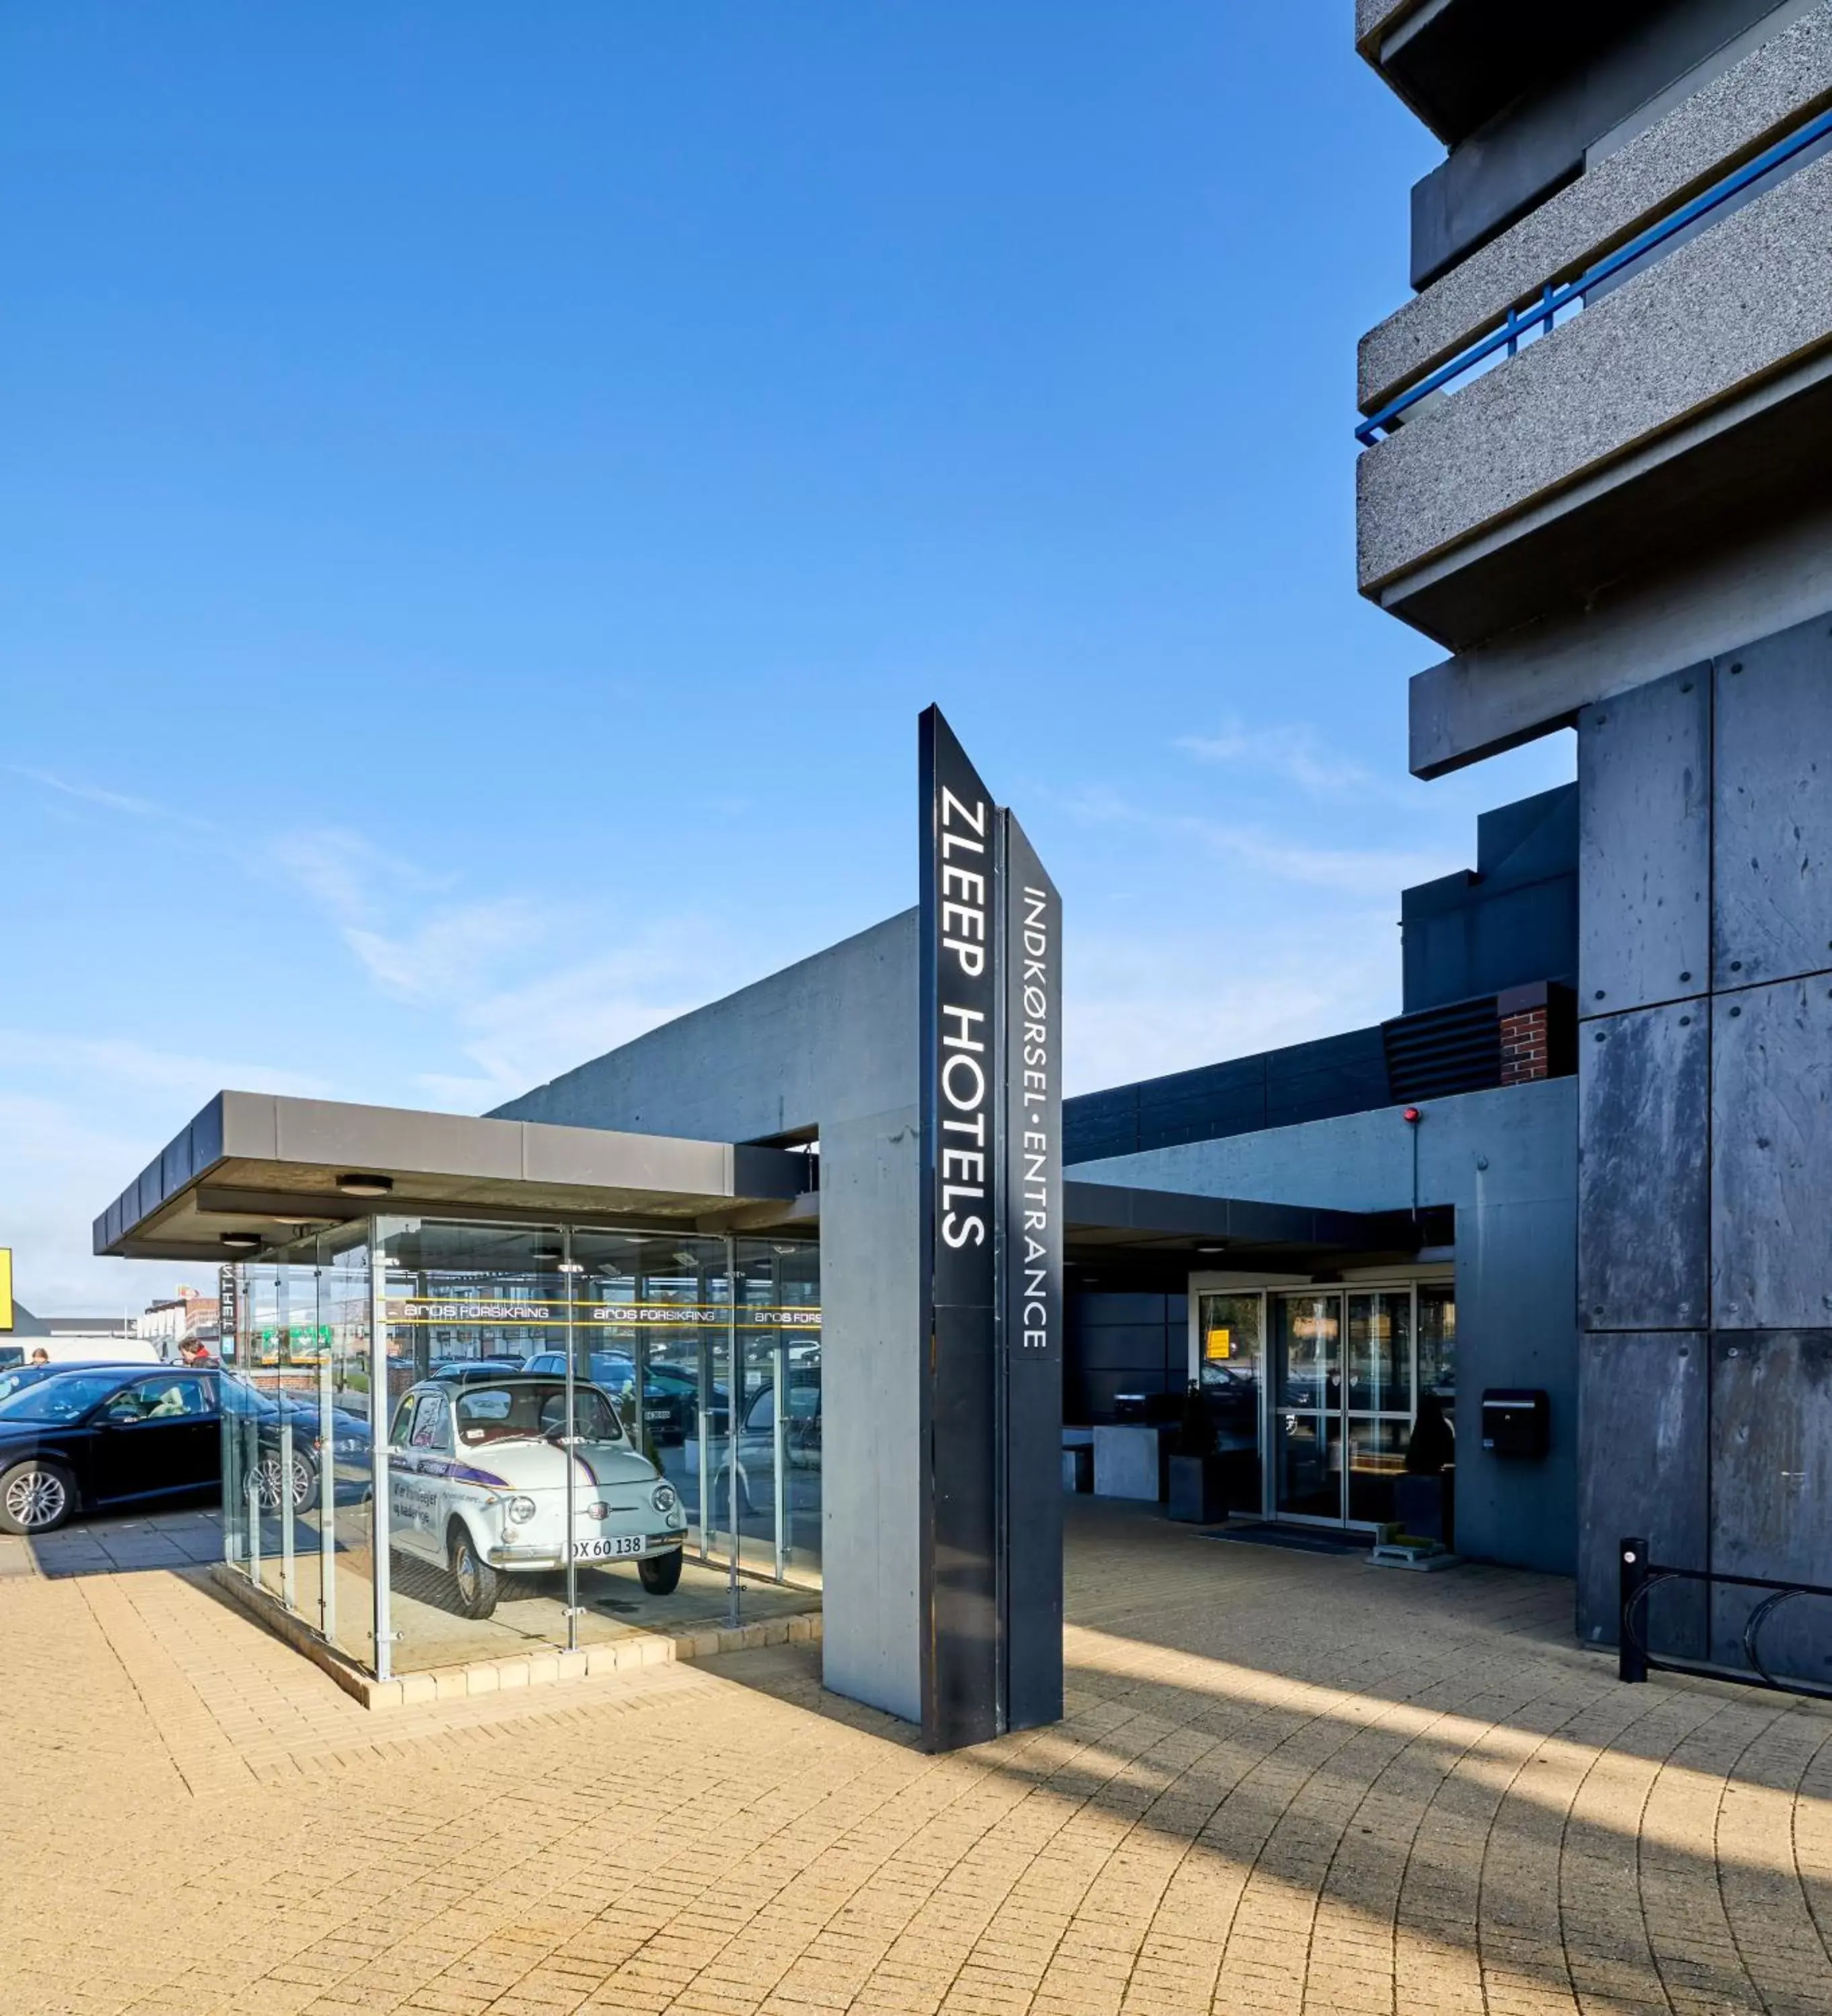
[1594, 442]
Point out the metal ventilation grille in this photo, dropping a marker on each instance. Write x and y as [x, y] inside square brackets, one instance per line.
[1442, 1051]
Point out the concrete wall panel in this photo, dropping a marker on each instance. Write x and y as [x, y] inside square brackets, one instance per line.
[1772, 887]
[1642, 1432]
[1644, 1201]
[1644, 770]
[1515, 1280]
[1772, 1492]
[1772, 1157]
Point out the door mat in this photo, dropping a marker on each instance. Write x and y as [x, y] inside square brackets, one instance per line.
[1298, 1538]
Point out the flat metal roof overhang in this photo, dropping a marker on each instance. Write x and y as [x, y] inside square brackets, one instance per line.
[1120, 1228]
[258, 1162]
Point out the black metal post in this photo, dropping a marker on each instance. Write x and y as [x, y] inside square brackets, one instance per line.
[1631, 1652]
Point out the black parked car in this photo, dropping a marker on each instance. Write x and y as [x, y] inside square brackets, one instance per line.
[95, 1437]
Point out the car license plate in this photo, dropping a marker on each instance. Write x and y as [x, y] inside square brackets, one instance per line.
[602, 1550]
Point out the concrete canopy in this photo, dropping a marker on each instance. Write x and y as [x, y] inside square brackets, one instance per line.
[1133, 1232]
[256, 1162]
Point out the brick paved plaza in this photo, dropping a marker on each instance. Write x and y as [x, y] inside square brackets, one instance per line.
[1287, 1782]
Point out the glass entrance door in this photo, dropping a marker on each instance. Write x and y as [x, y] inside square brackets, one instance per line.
[1345, 1374]
[1378, 1399]
[1307, 1406]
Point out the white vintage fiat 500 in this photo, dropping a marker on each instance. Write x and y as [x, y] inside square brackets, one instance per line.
[478, 1484]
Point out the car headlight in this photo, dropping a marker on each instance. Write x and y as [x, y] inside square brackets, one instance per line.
[664, 1498]
[521, 1510]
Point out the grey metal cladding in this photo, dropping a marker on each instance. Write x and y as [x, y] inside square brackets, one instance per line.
[1643, 1210]
[1644, 843]
[1772, 1491]
[1772, 1157]
[205, 1131]
[1642, 1431]
[1773, 867]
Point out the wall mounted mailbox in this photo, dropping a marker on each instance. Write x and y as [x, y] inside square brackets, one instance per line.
[1516, 1421]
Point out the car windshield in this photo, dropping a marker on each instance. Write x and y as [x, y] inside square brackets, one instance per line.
[527, 1410]
[64, 1397]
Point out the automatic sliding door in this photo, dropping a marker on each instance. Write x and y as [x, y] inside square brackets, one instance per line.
[1307, 1405]
[1379, 1398]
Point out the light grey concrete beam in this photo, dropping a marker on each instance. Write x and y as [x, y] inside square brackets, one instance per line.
[1536, 679]
[1785, 79]
[1740, 303]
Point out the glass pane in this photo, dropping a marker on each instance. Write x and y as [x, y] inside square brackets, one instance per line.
[1376, 1455]
[1309, 1339]
[1310, 1466]
[471, 1574]
[1229, 1359]
[645, 1307]
[1307, 1389]
[1379, 1351]
[1438, 1340]
[793, 1319]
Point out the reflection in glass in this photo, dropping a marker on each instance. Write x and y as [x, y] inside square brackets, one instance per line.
[1307, 1342]
[1230, 1353]
[1379, 1351]
[1377, 1455]
[1437, 1339]
[520, 1369]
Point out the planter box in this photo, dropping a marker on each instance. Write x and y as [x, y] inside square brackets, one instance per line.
[1199, 1492]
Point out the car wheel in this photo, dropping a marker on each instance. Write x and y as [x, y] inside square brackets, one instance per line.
[36, 1497]
[479, 1584]
[661, 1573]
[267, 1482]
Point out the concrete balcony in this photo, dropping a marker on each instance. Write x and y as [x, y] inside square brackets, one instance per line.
[1458, 63]
[1692, 401]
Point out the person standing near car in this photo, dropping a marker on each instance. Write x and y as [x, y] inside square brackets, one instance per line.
[194, 1353]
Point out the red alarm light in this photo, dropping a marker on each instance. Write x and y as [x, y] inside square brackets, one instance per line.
[1411, 1116]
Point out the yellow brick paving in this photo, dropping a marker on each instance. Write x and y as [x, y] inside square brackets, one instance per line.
[1285, 1784]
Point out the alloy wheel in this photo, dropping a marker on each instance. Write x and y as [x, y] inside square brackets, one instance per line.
[37, 1499]
[267, 1482]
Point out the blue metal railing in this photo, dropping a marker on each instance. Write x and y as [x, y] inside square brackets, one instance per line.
[1538, 318]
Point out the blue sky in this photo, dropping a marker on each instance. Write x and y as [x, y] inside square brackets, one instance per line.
[488, 490]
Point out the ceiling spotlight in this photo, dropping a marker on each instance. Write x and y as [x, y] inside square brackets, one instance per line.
[242, 1242]
[357, 1185]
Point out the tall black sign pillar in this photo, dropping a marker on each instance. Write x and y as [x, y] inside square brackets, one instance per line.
[991, 1426]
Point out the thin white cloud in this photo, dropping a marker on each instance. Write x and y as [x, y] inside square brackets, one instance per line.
[527, 988]
[115, 801]
[59, 1172]
[1291, 753]
[1136, 1006]
[126, 1064]
[1366, 872]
